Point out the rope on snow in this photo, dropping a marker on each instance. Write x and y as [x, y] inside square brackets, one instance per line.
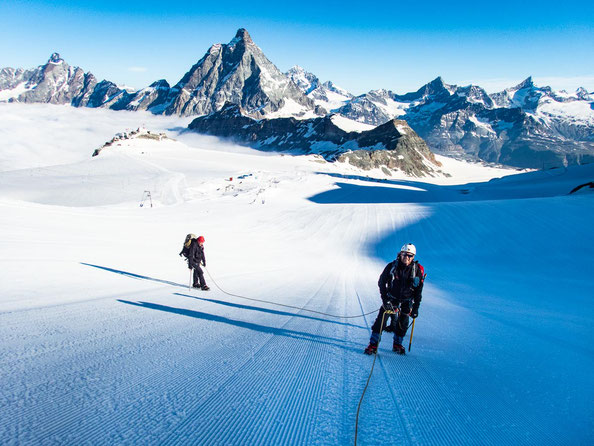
[283, 305]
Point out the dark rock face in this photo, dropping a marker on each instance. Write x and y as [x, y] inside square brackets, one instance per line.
[393, 145]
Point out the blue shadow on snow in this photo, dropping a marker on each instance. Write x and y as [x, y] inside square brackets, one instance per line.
[300, 335]
[167, 282]
[266, 310]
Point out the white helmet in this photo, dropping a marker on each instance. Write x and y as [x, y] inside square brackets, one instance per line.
[409, 247]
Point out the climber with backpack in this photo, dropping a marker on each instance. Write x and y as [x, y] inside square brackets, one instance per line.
[193, 250]
[401, 287]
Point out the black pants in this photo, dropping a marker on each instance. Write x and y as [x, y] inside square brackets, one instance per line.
[198, 277]
[399, 325]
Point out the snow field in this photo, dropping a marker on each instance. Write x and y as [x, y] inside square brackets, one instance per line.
[104, 344]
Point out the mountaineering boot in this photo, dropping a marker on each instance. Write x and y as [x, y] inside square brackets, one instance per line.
[371, 349]
[205, 288]
[398, 348]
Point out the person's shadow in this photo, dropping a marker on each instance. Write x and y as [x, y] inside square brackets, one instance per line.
[267, 310]
[301, 335]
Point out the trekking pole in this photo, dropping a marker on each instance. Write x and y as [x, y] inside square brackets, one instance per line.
[190, 282]
[412, 330]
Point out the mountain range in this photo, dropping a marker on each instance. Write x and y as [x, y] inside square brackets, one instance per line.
[523, 126]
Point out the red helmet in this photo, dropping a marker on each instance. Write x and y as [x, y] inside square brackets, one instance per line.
[200, 239]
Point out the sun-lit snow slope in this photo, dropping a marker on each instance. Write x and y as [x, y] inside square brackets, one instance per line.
[102, 343]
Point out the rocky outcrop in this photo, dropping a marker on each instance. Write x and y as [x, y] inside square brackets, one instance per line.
[402, 150]
[392, 146]
[139, 133]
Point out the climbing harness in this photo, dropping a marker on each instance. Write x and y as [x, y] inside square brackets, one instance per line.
[284, 305]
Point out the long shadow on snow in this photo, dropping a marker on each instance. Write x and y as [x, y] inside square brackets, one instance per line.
[134, 276]
[266, 310]
[354, 347]
[403, 191]
[167, 282]
[391, 191]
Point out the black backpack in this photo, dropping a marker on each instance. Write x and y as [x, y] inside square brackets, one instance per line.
[186, 248]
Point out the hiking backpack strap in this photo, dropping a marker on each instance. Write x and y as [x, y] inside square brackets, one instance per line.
[393, 272]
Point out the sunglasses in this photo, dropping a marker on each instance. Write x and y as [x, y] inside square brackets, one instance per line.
[410, 256]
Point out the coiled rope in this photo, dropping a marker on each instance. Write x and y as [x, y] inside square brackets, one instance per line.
[284, 305]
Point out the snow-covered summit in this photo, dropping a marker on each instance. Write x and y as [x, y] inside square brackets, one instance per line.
[305, 80]
[55, 58]
[327, 95]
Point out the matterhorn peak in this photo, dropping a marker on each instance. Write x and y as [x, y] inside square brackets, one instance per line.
[242, 36]
[55, 58]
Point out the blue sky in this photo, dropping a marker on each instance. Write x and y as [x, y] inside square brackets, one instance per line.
[397, 45]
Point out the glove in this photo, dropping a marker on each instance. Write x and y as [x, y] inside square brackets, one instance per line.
[414, 312]
[204, 264]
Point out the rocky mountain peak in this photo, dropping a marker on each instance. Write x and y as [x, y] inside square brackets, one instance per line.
[437, 85]
[55, 58]
[240, 73]
[243, 36]
[583, 94]
[437, 82]
[160, 84]
[526, 83]
[306, 81]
